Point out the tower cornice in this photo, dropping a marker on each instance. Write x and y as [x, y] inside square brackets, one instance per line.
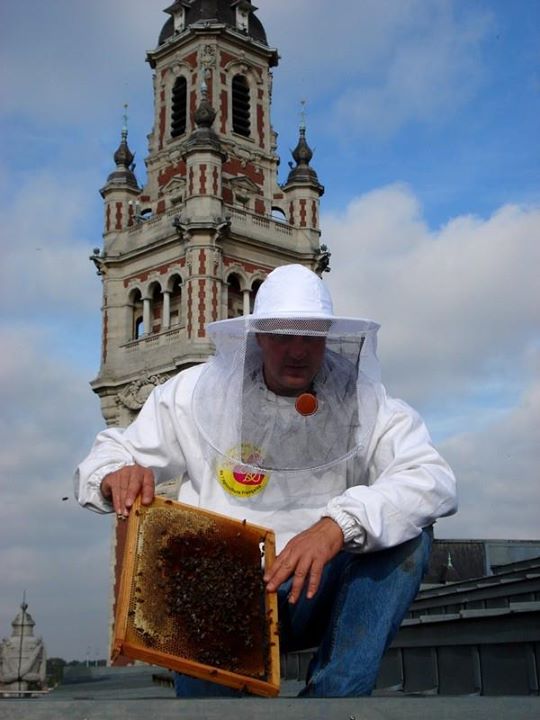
[193, 35]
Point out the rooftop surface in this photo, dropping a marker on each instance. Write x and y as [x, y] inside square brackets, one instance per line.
[375, 708]
[131, 694]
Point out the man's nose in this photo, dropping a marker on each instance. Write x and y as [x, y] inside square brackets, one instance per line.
[297, 347]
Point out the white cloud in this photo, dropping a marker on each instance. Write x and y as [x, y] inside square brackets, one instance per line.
[457, 304]
[49, 415]
[425, 77]
[45, 266]
[384, 63]
[497, 470]
[50, 547]
[70, 60]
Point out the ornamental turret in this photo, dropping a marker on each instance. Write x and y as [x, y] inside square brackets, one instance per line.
[23, 657]
[121, 190]
[204, 157]
[303, 189]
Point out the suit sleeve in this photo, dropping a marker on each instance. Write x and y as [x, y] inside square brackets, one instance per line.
[409, 485]
[151, 441]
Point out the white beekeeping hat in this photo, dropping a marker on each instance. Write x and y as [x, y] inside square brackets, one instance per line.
[293, 292]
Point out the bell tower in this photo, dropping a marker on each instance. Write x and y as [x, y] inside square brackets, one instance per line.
[194, 244]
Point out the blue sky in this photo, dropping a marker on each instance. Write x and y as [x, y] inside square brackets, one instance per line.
[423, 115]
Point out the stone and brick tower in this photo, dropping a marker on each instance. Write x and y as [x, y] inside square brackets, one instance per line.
[194, 243]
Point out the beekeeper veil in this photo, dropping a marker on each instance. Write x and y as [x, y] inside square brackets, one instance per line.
[250, 430]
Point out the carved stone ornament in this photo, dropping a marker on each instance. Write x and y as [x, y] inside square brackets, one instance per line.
[216, 258]
[180, 223]
[222, 227]
[323, 260]
[134, 395]
[174, 156]
[243, 184]
[176, 185]
[99, 261]
[208, 56]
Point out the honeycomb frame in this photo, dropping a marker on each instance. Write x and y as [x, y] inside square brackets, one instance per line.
[146, 628]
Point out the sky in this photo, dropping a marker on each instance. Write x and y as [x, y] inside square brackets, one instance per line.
[423, 117]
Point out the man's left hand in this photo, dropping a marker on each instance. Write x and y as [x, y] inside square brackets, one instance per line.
[304, 557]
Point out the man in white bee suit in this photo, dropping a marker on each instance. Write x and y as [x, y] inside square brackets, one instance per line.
[289, 427]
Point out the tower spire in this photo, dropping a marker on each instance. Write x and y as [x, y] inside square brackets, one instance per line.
[125, 125]
[204, 135]
[303, 116]
[302, 154]
[123, 158]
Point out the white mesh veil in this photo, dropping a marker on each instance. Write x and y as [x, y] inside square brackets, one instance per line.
[253, 431]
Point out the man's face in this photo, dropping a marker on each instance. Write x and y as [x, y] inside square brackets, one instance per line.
[290, 362]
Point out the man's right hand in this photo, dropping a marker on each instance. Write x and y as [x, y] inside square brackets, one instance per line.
[124, 485]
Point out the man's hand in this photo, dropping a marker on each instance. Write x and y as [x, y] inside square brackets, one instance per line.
[124, 485]
[305, 557]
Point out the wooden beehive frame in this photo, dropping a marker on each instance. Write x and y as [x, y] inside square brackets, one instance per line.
[126, 644]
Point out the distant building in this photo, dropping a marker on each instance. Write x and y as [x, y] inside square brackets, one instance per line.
[455, 560]
[23, 658]
[194, 244]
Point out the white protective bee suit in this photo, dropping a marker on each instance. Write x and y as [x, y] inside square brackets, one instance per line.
[362, 458]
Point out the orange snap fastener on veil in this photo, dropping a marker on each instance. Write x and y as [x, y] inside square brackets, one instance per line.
[306, 404]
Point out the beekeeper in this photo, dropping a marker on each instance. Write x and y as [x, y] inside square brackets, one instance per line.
[289, 427]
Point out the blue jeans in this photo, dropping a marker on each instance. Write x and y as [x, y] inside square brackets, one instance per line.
[351, 620]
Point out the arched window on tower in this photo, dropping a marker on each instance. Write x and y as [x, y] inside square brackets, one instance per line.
[137, 325]
[157, 308]
[241, 106]
[179, 107]
[235, 301]
[253, 294]
[176, 301]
